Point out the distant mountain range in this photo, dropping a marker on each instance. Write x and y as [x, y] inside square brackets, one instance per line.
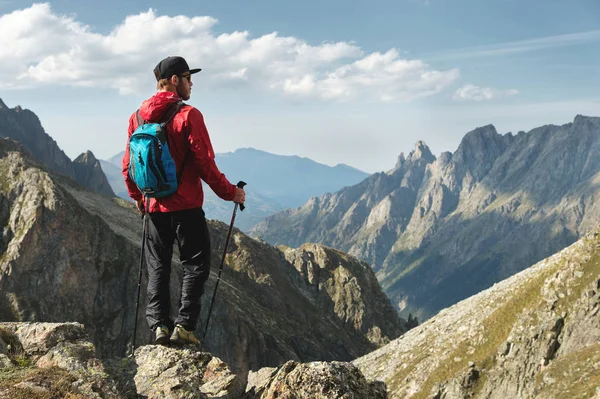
[275, 182]
[439, 230]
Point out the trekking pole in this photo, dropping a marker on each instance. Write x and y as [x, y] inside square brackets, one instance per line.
[240, 184]
[145, 216]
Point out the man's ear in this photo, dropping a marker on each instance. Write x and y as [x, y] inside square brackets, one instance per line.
[175, 80]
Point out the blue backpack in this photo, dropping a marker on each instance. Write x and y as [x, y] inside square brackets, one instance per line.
[151, 165]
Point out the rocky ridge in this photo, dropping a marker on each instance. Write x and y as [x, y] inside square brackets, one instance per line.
[438, 230]
[25, 127]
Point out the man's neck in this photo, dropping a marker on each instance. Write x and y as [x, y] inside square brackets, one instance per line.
[174, 91]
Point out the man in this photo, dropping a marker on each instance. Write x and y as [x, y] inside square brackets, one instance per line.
[179, 216]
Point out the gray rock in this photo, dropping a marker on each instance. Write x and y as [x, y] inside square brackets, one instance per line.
[260, 377]
[39, 338]
[318, 380]
[5, 362]
[183, 373]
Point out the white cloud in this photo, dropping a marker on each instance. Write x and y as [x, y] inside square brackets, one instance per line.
[38, 46]
[476, 93]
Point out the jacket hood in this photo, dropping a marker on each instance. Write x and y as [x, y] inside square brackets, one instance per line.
[153, 108]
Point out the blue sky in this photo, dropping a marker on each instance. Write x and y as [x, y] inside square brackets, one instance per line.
[336, 81]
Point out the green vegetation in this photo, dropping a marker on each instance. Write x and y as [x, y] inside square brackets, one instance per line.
[15, 350]
[50, 383]
[397, 381]
[124, 203]
[4, 180]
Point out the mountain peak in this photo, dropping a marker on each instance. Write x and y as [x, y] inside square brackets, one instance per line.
[421, 152]
[582, 120]
[87, 157]
[401, 160]
[242, 150]
[89, 173]
[2, 105]
[479, 138]
[487, 130]
[480, 148]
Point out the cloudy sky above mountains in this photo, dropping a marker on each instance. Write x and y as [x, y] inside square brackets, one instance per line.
[335, 81]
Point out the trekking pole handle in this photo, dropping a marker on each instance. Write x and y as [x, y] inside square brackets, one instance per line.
[241, 185]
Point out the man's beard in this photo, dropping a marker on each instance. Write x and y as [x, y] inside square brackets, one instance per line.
[183, 96]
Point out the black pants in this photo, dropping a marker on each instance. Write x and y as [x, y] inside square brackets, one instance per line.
[189, 228]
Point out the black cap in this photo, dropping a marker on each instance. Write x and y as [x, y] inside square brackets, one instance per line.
[172, 66]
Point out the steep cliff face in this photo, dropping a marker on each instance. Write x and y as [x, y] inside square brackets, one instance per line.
[342, 285]
[56, 259]
[440, 230]
[70, 254]
[89, 173]
[536, 334]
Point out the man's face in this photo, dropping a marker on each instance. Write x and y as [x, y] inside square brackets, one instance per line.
[184, 88]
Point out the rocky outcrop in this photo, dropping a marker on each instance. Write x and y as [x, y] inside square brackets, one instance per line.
[317, 380]
[89, 173]
[536, 334]
[69, 254]
[437, 231]
[58, 360]
[172, 373]
[55, 360]
[344, 286]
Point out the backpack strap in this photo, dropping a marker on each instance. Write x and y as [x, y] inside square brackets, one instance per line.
[140, 121]
[171, 111]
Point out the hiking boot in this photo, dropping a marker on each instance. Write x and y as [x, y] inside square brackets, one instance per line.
[161, 335]
[182, 336]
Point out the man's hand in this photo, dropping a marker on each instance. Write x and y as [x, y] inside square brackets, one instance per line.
[240, 196]
[140, 205]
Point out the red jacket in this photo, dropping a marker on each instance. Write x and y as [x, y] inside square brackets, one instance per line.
[187, 125]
